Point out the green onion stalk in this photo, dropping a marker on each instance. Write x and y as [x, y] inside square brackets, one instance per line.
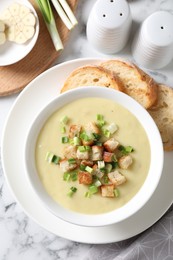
[47, 13]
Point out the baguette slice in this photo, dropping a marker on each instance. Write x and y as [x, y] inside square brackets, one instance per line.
[92, 76]
[162, 113]
[138, 84]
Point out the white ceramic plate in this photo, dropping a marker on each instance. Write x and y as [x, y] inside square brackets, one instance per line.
[38, 93]
[11, 52]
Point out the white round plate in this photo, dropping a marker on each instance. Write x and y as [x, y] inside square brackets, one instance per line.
[38, 93]
[11, 52]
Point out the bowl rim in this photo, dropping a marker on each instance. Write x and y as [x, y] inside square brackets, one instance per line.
[123, 212]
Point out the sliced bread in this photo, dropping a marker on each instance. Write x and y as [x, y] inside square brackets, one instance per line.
[138, 84]
[92, 76]
[162, 113]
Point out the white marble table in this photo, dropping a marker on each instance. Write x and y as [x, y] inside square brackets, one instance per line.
[21, 238]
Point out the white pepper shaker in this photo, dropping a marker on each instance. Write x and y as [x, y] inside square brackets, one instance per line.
[109, 25]
[152, 47]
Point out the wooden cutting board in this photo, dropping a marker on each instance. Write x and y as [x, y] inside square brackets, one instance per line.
[15, 77]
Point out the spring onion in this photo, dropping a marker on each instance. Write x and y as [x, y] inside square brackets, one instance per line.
[82, 167]
[48, 17]
[65, 139]
[64, 120]
[66, 176]
[63, 129]
[108, 167]
[76, 141]
[117, 193]
[89, 169]
[97, 183]
[125, 149]
[93, 189]
[106, 132]
[69, 12]
[74, 176]
[72, 191]
[71, 161]
[85, 137]
[62, 14]
[52, 158]
[101, 164]
[100, 120]
[87, 194]
[112, 128]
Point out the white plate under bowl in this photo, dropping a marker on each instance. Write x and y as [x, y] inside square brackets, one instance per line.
[11, 52]
[27, 105]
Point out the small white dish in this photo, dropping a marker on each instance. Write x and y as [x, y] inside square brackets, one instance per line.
[11, 52]
[155, 168]
[26, 197]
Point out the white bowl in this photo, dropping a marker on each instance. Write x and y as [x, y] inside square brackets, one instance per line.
[11, 52]
[152, 179]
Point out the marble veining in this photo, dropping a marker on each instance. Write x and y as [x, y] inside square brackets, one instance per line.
[23, 239]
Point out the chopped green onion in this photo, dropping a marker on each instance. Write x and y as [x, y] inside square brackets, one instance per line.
[96, 136]
[56, 159]
[100, 117]
[82, 167]
[47, 14]
[71, 161]
[64, 120]
[114, 165]
[106, 133]
[101, 164]
[76, 141]
[66, 176]
[125, 149]
[84, 137]
[52, 158]
[89, 169]
[114, 158]
[74, 176]
[108, 167]
[84, 148]
[117, 193]
[63, 129]
[106, 179]
[72, 191]
[65, 139]
[97, 183]
[93, 189]
[49, 157]
[87, 194]
[112, 128]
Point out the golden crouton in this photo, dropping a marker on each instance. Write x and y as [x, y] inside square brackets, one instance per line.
[87, 163]
[116, 178]
[111, 145]
[65, 166]
[125, 161]
[85, 178]
[89, 129]
[70, 152]
[107, 190]
[83, 155]
[97, 153]
[74, 131]
[108, 157]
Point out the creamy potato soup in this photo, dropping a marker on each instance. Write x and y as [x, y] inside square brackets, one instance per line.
[92, 156]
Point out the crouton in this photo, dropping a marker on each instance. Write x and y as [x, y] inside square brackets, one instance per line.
[116, 178]
[111, 145]
[125, 161]
[97, 153]
[108, 157]
[85, 178]
[87, 163]
[65, 166]
[89, 129]
[74, 131]
[107, 191]
[83, 155]
[70, 152]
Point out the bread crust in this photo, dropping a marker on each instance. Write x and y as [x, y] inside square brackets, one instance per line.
[138, 93]
[162, 113]
[92, 75]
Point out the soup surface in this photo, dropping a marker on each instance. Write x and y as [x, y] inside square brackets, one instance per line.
[130, 132]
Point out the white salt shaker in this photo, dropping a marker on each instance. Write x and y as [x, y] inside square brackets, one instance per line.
[152, 47]
[109, 25]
